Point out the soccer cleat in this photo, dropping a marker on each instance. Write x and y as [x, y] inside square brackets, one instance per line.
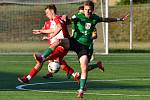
[23, 79]
[100, 66]
[80, 93]
[77, 77]
[38, 57]
[48, 76]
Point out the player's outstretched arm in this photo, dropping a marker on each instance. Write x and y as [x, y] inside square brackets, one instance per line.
[36, 32]
[115, 19]
[124, 17]
[43, 31]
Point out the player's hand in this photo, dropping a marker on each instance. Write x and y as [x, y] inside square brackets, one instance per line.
[94, 34]
[124, 17]
[64, 18]
[51, 36]
[45, 38]
[36, 31]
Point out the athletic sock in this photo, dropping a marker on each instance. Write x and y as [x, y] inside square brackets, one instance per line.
[67, 69]
[32, 73]
[92, 66]
[82, 83]
[47, 52]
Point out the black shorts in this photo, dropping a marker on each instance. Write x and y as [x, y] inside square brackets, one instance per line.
[80, 49]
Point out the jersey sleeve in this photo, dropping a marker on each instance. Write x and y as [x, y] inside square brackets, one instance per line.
[74, 20]
[46, 25]
[101, 19]
[57, 20]
[98, 18]
[73, 17]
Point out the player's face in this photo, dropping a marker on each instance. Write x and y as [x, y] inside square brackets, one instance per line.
[88, 11]
[81, 11]
[49, 14]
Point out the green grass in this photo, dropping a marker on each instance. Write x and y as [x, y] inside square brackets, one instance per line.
[40, 46]
[131, 67]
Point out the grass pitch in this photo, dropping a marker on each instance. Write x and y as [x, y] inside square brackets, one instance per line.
[126, 77]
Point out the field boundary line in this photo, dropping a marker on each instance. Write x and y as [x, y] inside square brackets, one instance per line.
[22, 87]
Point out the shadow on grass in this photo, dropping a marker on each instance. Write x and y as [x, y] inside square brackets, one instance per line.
[8, 82]
[98, 85]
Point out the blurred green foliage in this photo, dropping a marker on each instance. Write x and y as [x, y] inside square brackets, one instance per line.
[127, 2]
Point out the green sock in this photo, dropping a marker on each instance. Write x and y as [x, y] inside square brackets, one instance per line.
[92, 66]
[82, 83]
[47, 52]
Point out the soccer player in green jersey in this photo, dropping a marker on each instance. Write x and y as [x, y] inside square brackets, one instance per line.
[94, 33]
[81, 41]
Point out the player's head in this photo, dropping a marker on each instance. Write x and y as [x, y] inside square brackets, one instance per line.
[50, 11]
[88, 8]
[81, 9]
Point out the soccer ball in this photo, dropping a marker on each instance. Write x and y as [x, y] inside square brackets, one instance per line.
[53, 67]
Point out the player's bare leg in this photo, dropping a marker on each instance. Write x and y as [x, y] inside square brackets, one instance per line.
[84, 71]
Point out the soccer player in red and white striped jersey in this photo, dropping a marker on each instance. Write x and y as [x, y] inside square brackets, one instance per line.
[56, 29]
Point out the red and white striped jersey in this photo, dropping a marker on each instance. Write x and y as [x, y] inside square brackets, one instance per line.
[52, 25]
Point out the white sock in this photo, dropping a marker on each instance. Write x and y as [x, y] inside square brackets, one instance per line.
[28, 77]
[73, 74]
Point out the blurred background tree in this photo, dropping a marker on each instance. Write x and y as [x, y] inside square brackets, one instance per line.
[126, 2]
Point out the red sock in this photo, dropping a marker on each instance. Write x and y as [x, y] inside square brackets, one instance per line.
[66, 68]
[71, 70]
[49, 73]
[33, 72]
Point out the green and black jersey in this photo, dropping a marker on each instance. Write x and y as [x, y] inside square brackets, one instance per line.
[83, 27]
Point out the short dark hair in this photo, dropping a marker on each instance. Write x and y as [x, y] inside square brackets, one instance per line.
[89, 3]
[81, 8]
[51, 7]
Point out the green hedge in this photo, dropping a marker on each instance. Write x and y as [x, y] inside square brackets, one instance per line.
[126, 2]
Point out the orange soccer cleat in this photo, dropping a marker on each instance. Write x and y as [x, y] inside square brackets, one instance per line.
[100, 66]
[23, 79]
[38, 57]
[80, 93]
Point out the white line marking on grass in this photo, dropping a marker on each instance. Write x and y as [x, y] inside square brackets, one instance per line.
[22, 87]
[132, 62]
